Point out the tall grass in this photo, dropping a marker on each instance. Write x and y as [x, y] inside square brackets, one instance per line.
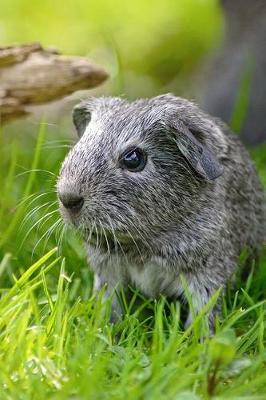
[54, 346]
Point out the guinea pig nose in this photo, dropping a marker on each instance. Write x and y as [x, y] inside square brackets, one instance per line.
[71, 201]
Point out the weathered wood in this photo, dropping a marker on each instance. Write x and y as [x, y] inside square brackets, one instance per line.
[31, 75]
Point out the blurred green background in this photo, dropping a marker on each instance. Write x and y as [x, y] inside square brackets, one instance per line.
[146, 46]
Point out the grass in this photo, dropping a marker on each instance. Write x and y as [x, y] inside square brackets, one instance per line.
[56, 341]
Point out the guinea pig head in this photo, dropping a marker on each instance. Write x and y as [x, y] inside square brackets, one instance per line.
[138, 169]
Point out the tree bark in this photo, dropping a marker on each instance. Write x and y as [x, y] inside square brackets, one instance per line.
[31, 75]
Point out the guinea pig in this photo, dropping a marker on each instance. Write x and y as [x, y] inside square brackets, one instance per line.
[160, 191]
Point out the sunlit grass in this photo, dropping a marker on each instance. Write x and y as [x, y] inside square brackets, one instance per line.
[58, 347]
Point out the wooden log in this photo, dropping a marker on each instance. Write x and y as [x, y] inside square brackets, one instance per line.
[31, 75]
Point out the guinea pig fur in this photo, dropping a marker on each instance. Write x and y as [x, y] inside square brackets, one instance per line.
[160, 191]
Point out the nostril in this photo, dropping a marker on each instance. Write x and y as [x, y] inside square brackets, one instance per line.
[71, 201]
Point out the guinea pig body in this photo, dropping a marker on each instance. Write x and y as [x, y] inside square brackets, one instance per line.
[160, 190]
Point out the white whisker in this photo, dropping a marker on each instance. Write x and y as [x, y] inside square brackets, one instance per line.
[108, 247]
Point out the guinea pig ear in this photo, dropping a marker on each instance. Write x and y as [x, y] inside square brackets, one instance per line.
[197, 154]
[81, 117]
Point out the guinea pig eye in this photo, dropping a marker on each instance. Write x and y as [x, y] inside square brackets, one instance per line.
[134, 160]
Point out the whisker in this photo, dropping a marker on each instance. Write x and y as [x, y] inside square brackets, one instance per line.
[53, 124]
[36, 224]
[36, 245]
[64, 229]
[57, 231]
[60, 141]
[36, 194]
[144, 240]
[116, 240]
[113, 233]
[36, 170]
[97, 237]
[44, 222]
[50, 231]
[67, 146]
[34, 211]
[91, 231]
[135, 243]
[108, 247]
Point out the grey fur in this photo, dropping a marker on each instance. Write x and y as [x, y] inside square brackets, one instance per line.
[194, 207]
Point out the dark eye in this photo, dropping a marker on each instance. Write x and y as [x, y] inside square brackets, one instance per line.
[134, 160]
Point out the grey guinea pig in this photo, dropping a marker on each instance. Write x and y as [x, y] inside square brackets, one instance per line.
[160, 190]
